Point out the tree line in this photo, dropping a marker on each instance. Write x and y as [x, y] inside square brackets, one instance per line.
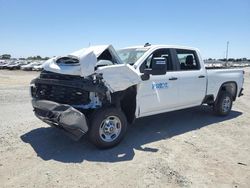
[38, 57]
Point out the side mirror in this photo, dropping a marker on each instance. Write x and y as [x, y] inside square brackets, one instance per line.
[145, 76]
[158, 67]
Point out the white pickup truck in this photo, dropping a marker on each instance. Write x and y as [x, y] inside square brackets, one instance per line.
[99, 91]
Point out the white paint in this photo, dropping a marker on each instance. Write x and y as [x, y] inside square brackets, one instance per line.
[119, 77]
[87, 60]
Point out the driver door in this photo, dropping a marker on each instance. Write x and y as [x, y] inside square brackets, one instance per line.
[160, 93]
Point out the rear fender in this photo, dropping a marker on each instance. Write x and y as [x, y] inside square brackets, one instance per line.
[231, 87]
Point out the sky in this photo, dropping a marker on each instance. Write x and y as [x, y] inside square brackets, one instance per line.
[58, 27]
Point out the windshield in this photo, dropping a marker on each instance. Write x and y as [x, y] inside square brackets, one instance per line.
[131, 55]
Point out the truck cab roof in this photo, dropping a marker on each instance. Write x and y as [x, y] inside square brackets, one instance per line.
[160, 46]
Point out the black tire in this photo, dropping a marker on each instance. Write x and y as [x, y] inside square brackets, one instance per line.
[97, 125]
[223, 105]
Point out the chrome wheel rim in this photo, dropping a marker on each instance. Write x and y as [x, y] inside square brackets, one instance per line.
[110, 128]
[226, 104]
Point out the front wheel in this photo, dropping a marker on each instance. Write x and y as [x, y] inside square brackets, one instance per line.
[107, 127]
[224, 104]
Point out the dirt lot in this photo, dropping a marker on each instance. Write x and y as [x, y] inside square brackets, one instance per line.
[187, 148]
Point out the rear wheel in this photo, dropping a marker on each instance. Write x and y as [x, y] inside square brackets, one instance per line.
[224, 104]
[107, 127]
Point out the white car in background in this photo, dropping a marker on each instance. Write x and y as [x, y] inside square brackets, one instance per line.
[2, 62]
[38, 67]
[16, 65]
[30, 66]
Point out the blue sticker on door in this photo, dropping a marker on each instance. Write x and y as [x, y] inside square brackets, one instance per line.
[162, 85]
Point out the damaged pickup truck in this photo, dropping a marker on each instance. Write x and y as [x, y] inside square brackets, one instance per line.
[99, 91]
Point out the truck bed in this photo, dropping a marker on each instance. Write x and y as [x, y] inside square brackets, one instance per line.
[217, 77]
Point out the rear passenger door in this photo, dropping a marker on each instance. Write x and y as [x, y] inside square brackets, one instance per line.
[191, 76]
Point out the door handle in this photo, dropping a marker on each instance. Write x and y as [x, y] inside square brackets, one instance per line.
[173, 78]
[201, 76]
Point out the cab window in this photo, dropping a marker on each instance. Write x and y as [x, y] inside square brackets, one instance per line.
[165, 53]
[187, 60]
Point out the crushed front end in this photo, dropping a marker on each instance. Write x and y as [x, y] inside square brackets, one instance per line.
[64, 101]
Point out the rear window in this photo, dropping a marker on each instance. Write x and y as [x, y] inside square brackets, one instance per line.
[187, 59]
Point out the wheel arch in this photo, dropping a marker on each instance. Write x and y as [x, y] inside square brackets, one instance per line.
[229, 86]
[126, 101]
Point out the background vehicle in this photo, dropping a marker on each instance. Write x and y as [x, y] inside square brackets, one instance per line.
[99, 91]
[29, 66]
[6, 64]
[16, 65]
[2, 65]
[38, 67]
[2, 62]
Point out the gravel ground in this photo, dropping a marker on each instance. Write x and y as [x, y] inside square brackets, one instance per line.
[187, 148]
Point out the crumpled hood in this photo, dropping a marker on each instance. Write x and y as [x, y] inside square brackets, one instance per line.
[117, 77]
[87, 59]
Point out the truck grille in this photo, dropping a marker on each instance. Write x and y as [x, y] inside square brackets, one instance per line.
[60, 88]
[60, 94]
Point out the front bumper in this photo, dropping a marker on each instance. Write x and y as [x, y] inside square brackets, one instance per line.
[62, 116]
